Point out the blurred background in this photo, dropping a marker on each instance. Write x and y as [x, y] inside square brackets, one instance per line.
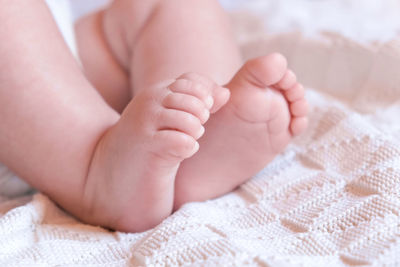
[362, 20]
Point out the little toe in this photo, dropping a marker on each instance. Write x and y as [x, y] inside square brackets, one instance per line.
[288, 81]
[299, 108]
[295, 93]
[298, 125]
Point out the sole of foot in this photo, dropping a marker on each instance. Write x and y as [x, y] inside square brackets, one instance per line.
[266, 110]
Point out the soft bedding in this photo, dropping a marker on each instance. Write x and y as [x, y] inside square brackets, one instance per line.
[331, 199]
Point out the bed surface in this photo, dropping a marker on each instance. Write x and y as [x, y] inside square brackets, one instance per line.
[331, 199]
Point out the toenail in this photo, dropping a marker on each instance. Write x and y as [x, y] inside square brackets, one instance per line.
[202, 131]
[226, 91]
[196, 147]
[206, 114]
[209, 102]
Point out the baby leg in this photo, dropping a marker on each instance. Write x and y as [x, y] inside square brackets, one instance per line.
[158, 40]
[139, 43]
[51, 118]
[61, 137]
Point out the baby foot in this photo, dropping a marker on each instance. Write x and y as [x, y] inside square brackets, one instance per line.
[131, 179]
[267, 108]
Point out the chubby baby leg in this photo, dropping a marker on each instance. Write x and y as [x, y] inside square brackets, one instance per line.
[139, 43]
[158, 40]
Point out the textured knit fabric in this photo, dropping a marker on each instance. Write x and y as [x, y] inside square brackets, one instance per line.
[331, 199]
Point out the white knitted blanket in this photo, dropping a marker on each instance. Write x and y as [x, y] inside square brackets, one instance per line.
[331, 199]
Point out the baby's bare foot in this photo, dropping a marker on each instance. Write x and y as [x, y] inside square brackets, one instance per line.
[267, 108]
[131, 180]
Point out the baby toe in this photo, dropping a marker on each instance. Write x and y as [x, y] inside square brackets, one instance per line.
[220, 95]
[193, 88]
[295, 93]
[195, 77]
[175, 144]
[288, 81]
[262, 71]
[298, 125]
[171, 119]
[187, 103]
[299, 108]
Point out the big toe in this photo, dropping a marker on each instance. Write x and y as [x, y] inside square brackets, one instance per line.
[262, 71]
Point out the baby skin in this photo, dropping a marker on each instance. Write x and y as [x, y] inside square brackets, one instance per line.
[136, 161]
[164, 114]
[180, 139]
[139, 158]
